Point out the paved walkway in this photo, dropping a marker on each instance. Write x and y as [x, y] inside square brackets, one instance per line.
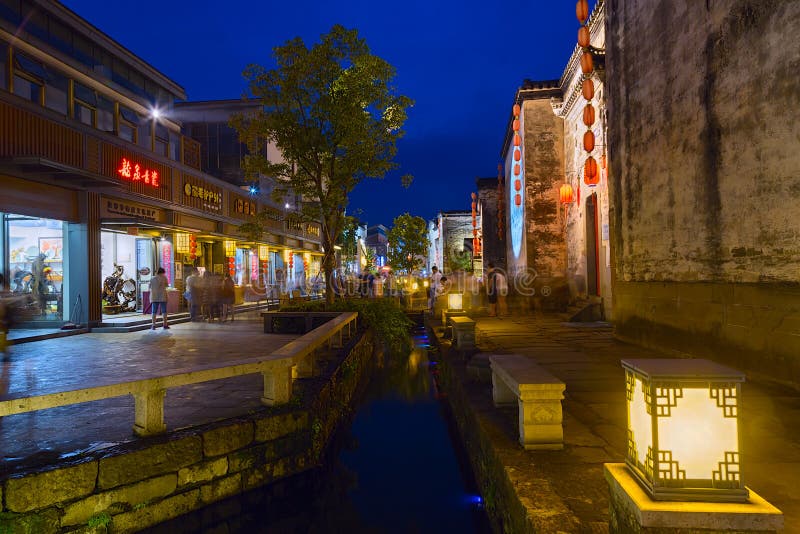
[85, 360]
[570, 483]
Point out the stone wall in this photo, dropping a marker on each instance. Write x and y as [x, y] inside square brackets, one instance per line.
[156, 479]
[493, 247]
[544, 168]
[703, 146]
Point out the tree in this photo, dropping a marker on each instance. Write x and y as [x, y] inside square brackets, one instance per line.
[408, 239]
[335, 116]
[348, 241]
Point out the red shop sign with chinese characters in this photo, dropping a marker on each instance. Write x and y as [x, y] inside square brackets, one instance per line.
[130, 170]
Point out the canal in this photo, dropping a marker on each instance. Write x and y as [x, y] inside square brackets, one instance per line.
[395, 465]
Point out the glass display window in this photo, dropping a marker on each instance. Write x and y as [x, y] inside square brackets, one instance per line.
[37, 263]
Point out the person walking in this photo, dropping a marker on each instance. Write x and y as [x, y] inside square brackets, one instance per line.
[227, 298]
[435, 282]
[491, 289]
[193, 294]
[158, 297]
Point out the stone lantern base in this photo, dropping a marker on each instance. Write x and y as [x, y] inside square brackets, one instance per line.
[634, 512]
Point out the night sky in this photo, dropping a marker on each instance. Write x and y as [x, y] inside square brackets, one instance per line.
[461, 61]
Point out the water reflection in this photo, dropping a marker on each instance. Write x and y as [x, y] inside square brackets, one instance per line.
[393, 469]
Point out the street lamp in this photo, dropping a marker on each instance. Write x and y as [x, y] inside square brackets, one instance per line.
[683, 429]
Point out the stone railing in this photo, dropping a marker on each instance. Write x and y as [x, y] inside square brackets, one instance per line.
[148, 393]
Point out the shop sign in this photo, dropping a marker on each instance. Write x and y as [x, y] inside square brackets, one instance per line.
[209, 198]
[245, 207]
[166, 259]
[112, 208]
[133, 171]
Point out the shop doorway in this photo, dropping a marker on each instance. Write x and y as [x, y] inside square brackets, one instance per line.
[592, 257]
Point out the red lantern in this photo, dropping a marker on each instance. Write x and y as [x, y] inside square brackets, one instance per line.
[588, 141]
[474, 205]
[516, 170]
[515, 125]
[517, 155]
[587, 88]
[515, 110]
[517, 139]
[582, 10]
[588, 115]
[565, 194]
[587, 63]
[583, 36]
[474, 233]
[590, 176]
[517, 199]
[517, 185]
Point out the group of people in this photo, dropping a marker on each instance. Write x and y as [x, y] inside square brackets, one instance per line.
[210, 296]
[496, 288]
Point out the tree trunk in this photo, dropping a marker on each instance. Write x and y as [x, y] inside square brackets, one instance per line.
[328, 263]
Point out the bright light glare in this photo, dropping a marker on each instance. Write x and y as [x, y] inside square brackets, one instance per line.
[697, 433]
[639, 421]
[286, 205]
[155, 113]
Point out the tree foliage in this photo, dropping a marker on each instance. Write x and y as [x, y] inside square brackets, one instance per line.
[334, 114]
[408, 240]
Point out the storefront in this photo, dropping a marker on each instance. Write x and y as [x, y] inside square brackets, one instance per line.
[35, 254]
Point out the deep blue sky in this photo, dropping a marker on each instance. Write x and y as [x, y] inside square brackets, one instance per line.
[461, 61]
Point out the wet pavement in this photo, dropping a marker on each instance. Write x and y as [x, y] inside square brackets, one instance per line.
[85, 360]
[569, 484]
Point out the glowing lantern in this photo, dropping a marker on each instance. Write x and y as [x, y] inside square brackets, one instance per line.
[583, 36]
[182, 243]
[517, 155]
[590, 172]
[566, 194]
[588, 115]
[515, 125]
[515, 110]
[587, 89]
[230, 248]
[517, 139]
[516, 170]
[263, 252]
[192, 247]
[582, 10]
[231, 266]
[683, 429]
[517, 200]
[455, 301]
[587, 63]
[588, 141]
[517, 185]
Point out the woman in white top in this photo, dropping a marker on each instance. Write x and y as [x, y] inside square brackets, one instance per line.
[158, 296]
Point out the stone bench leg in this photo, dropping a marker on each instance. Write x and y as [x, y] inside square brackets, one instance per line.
[501, 393]
[277, 386]
[149, 412]
[540, 425]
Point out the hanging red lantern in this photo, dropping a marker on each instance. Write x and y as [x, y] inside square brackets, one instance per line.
[565, 194]
[590, 176]
[582, 10]
[515, 110]
[517, 185]
[474, 205]
[587, 88]
[515, 125]
[587, 63]
[516, 170]
[588, 115]
[517, 139]
[517, 199]
[474, 233]
[583, 36]
[588, 141]
[517, 155]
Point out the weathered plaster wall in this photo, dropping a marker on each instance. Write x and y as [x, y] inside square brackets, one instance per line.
[704, 159]
[543, 154]
[457, 228]
[493, 247]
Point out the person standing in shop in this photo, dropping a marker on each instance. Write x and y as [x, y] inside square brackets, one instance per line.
[158, 296]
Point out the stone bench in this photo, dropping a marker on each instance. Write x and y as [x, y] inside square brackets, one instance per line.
[308, 318]
[519, 379]
[463, 332]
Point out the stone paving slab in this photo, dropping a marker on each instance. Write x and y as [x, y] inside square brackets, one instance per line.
[587, 359]
[89, 360]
